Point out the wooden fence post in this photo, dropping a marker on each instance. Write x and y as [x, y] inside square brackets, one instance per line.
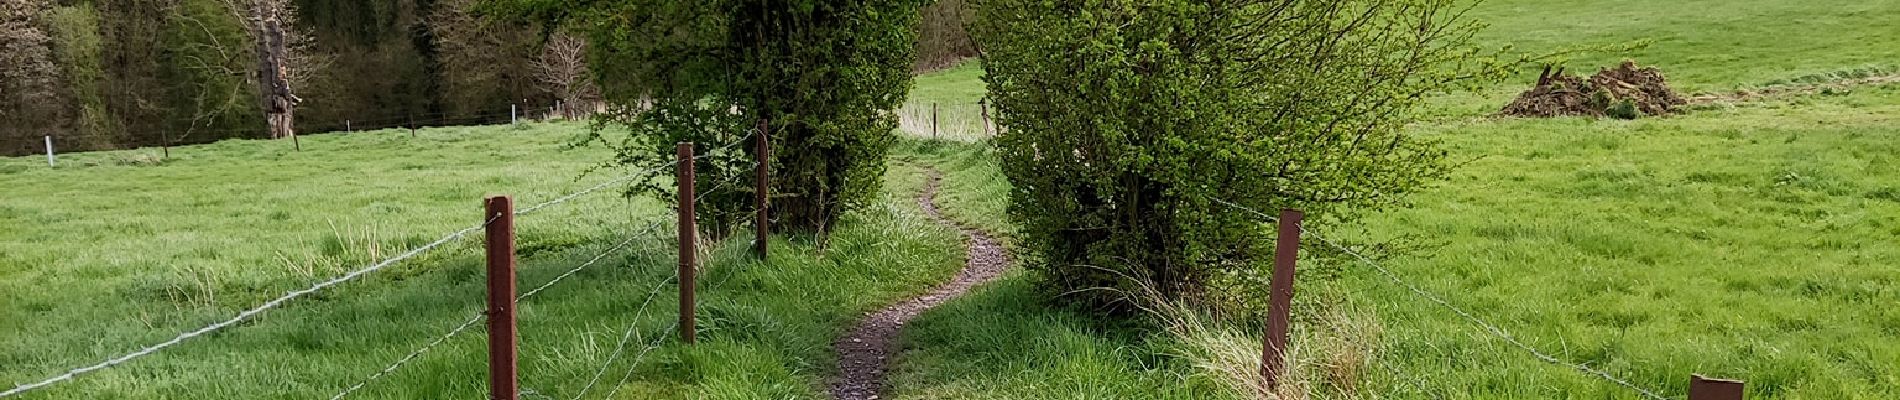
[761, 190]
[1280, 299]
[501, 298]
[983, 109]
[412, 126]
[1701, 388]
[689, 244]
[933, 120]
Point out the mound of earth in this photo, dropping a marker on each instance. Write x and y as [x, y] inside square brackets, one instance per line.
[1626, 91]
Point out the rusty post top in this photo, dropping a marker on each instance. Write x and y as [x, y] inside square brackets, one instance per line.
[1705, 388]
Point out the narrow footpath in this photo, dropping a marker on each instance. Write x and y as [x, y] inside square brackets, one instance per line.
[864, 353]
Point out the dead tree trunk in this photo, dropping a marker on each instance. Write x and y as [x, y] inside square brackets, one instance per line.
[273, 73]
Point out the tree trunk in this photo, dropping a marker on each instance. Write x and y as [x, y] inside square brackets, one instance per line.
[273, 75]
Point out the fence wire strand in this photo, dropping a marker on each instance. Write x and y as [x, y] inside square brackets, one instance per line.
[472, 320]
[247, 314]
[412, 356]
[1429, 296]
[621, 346]
[352, 275]
[635, 364]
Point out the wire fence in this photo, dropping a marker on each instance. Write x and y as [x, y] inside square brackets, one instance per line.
[454, 331]
[22, 144]
[1440, 301]
[962, 122]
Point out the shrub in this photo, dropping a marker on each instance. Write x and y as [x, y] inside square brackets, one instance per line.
[1624, 109]
[824, 73]
[1128, 123]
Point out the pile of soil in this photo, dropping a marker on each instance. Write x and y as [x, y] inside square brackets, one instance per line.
[1626, 91]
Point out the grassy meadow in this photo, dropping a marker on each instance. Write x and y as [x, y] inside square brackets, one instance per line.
[1752, 240]
[112, 251]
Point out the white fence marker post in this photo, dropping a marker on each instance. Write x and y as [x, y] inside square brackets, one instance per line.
[49, 152]
[512, 119]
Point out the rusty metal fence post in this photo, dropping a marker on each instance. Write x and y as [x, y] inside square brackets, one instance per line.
[761, 190]
[501, 298]
[688, 238]
[1280, 299]
[1701, 388]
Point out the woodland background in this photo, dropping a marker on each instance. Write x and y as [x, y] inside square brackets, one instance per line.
[117, 74]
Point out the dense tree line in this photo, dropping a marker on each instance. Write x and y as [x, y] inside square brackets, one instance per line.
[127, 73]
[110, 74]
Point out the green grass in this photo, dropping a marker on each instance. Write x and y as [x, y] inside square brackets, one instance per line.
[962, 84]
[1753, 243]
[1004, 340]
[1703, 45]
[106, 254]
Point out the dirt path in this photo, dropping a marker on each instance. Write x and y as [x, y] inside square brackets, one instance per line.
[865, 352]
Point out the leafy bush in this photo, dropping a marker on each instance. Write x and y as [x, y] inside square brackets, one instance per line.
[1129, 123]
[1624, 109]
[822, 72]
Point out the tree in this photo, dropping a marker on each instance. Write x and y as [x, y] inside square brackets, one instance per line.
[823, 73]
[284, 59]
[1132, 124]
[30, 93]
[942, 41]
[562, 70]
[213, 47]
[484, 65]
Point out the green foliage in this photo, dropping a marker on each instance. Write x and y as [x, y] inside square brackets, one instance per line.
[29, 78]
[974, 347]
[1128, 121]
[76, 30]
[1624, 109]
[204, 74]
[822, 72]
[1601, 99]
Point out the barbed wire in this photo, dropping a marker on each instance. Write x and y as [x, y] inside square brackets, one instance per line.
[1493, 329]
[412, 356]
[635, 364]
[624, 178]
[247, 314]
[632, 327]
[465, 325]
[274, 303]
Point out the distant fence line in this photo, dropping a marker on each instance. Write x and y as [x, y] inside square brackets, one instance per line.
[13, 146]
